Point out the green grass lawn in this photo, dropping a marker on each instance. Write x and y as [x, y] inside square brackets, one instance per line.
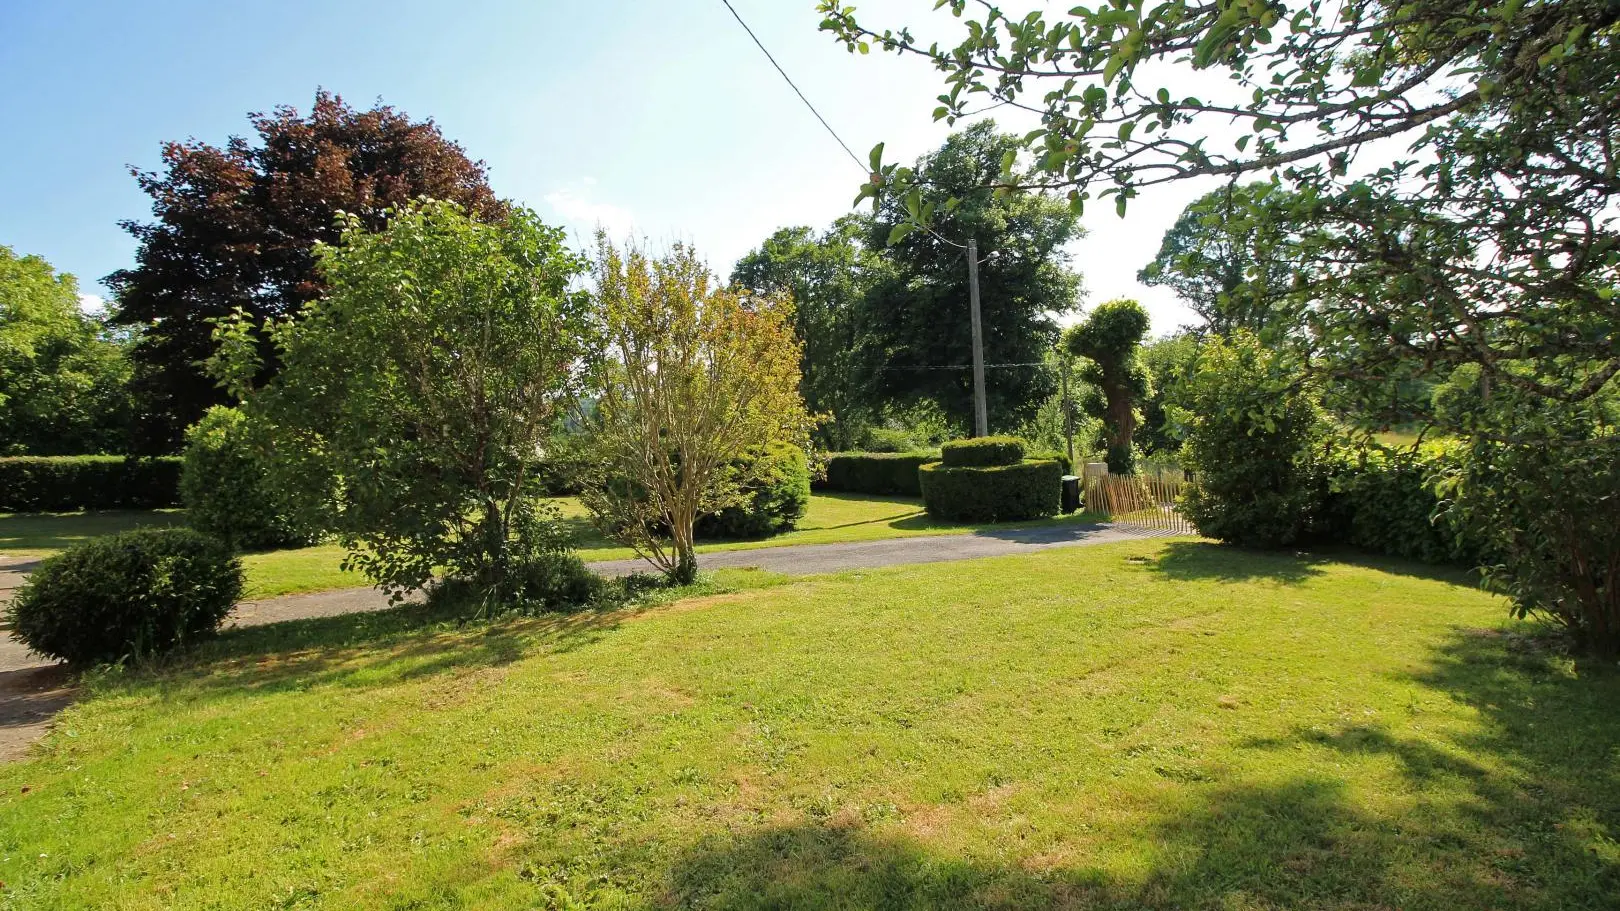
[830, 518]
[38, 534]
[1151, 724]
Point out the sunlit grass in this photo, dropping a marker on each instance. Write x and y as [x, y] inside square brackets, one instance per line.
[1140, 725]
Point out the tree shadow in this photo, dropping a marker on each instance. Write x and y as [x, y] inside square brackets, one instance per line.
[363, 650]
[1296, 844]
[1519, 811]
[1208, 562]
[49, 531]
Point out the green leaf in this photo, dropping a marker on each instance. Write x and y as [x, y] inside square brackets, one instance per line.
[899, 232]
[875, 157]
[1008, 159]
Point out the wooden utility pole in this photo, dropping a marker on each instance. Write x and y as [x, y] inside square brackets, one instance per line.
[1068, 404]
[981, 414]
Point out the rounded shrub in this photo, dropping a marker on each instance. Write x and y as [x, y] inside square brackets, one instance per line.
[996, 493]
[224, 489]
[134, 594]
[775, 500]
[982, 451]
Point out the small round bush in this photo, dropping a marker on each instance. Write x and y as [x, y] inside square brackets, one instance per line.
[224, 488]
[775, 500]
[543, 581]
[996, 493]
[134, 594]
[980, 452]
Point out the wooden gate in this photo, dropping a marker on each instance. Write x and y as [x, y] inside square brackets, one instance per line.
[1146, 501]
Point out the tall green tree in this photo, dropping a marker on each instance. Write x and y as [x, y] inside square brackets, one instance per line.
[828, 276]
[1492, 238]
[1110, 340]
[691, 380]
[415, 397]
[916, 320]
[1169, 363]
[236, 226]
[1228, 257]
[62, 373]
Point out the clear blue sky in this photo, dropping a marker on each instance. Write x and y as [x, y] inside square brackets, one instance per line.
[650, 116]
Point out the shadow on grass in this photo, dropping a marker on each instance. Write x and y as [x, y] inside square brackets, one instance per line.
[57, 531]
[1521, 811]
[373, 649]
[1203, 561]
[1209, 561]
[1297, 844]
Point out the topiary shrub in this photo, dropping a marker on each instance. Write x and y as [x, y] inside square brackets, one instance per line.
[70, 483]
[996, 493]
[134, 594]
[982, 451]
[223, 485]
[776, 499]
[876, 472]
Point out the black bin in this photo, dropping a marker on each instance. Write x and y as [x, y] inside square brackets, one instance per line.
[1071, 494]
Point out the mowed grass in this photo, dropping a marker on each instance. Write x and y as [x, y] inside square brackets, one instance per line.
[1151, 724]
[830, 518]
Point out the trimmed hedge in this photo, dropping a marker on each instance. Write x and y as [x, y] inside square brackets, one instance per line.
[776, 502]
[876, 472]
[134, 594]
[996, 493]
[71, 483]
[980, 452]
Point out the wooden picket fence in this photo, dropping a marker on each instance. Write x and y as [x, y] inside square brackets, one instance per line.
[1146, 501]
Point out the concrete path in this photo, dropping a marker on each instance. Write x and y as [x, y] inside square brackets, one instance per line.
[33, 690]
[810, 559]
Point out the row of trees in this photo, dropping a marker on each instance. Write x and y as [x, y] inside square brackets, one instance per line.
[413, 402]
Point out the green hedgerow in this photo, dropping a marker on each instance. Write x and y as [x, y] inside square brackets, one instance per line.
[996, 493]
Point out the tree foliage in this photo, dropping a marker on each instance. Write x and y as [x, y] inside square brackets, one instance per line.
[1110, 340]
[1169, 363]
[1494, 240]
[236, 227]
[414, 397]
[1253, 431]
[1483, 234]
[691, 379]
[916, 321]
[828, 276]
[61, 371]
[1228, 257]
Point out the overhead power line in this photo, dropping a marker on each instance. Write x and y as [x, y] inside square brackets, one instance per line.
[832, 132]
